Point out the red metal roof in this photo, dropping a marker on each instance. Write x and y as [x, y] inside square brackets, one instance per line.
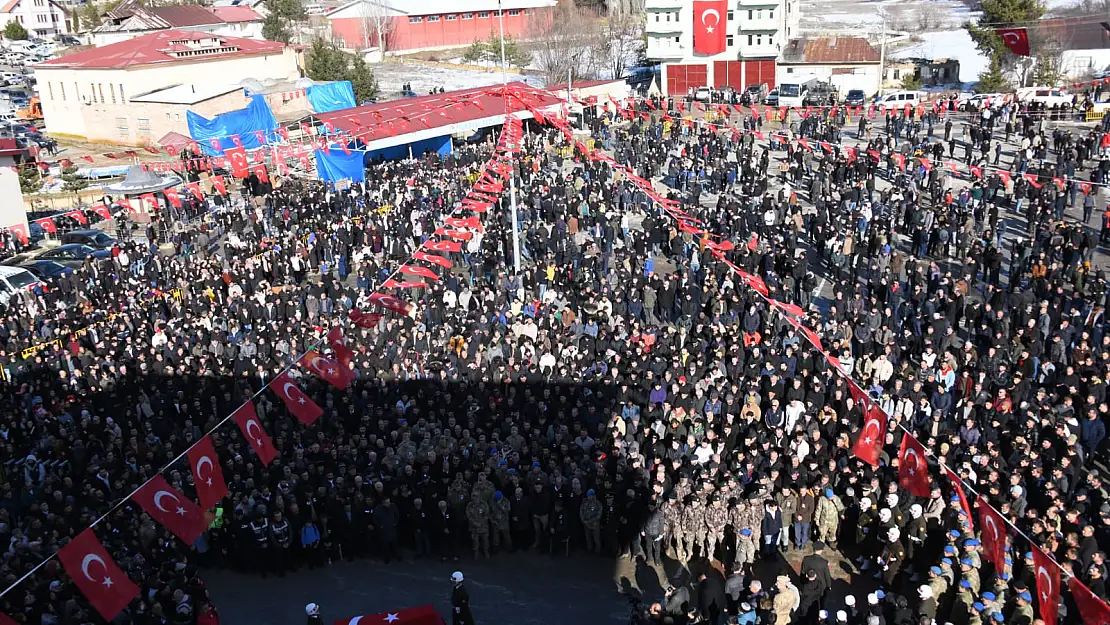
[9, 148]
[151, 49]
[830, 50]
[235, 14]
[183, 15]
[387, 119]
[8, 6]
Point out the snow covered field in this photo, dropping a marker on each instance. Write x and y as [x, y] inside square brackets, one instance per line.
[423, 78]
[865, 17]
[953, 44]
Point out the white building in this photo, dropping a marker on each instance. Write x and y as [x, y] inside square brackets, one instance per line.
[41, 18]
[131, 19]
[757, 31]
[845, 62]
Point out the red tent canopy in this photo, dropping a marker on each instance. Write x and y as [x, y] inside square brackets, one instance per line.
[423, 615]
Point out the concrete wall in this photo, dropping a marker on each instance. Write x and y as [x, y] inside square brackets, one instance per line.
[12, 211]
[87, 103]
[452, 30]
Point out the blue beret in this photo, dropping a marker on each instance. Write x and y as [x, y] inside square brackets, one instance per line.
[829, 493]
[745, 532]
[971, 542]
[998, 616]
[989, 596]
[947, 561]
[936, 569]
[954, 533]
[977, 605]
[591, 492]
[1025, 595]
[965, 584]
[967, 561]
[949, 549]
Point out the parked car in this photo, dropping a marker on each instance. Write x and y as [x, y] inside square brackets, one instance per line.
[703, 94]
[14, 280]
[855, 97]
[93, 238]
[757, 92]
[772, 98]
[74, 254]
[45, 269]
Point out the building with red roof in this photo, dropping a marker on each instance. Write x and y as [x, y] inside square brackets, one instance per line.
[131, 19]
[97, 94]
[41, 18]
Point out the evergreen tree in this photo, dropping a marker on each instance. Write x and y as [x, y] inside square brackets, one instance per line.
[284, 15]
[16, 32]
[326, 62]
[30, 180]
[71, 182]
[475, 53]
[992, 80]
[995, 13]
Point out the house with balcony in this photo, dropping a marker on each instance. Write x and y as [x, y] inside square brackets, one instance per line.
[41, 18]
[757, 33]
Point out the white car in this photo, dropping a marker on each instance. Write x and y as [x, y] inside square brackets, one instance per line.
[980, 100]
[702, 94]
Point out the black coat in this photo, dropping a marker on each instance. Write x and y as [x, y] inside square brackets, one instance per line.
[460, 606]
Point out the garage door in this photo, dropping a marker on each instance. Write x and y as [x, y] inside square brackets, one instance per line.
[760, 71]
[727, 74]
[682, 78]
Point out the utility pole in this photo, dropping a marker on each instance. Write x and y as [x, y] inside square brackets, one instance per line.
[882, 57]
[512, 171]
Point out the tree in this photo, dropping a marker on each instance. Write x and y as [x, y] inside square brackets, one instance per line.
[515, 54]
[284, 15]
[476, 53]
[568, 44]
[30, 180]
[71, 182]
[996, 12]
[622, 42]
[992, 80]
[326, 62]
[911, 82]
[377, 25]
[16, 32]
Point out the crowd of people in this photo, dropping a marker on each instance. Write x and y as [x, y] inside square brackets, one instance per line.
[625, 394]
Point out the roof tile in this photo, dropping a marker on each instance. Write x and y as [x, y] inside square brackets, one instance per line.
[151, 49]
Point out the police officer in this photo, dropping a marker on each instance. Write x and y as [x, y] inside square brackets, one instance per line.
[460, 602]
[282, 544]
[312, 611]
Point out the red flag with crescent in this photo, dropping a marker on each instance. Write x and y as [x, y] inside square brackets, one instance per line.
[247, 420]
[1048, 586]
[332, 371]
[433, 259]
[992, 532]
[97, 575]
[1092, 609]
[443, 246]
[298, 403]
[869, 444]
[389, 302]
[710, 28]
[207, 474]
[416, 270]
[179, 514]
[958, 487]
[1016, 40]
[913, 469]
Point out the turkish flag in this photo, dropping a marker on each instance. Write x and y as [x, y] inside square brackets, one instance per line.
[247, 419]
[196, 190]
[389, 303]
[394, 284]
[172, 509]
[956, 486]
[1093, 610]
[7, 620]
[96, 575]
[423, 615]
[1048, 586]
[172, 197]
[103, 211]
[298, 403]
[78, 216]
[1017, 40]
[869, 445]
[207, 474]
[339, 347]
[1085, 187]
[992, 529]
[330, 370]
[260, 171]
[238, 161]
[913, 469]
[423, 272]
[433, 259]
[1032, 179]
[977, 171]
[443, 246]
[460, 222]
[47, 225]
[710, 27]
[218, 185]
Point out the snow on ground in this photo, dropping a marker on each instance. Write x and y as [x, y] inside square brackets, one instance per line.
[848, 17]
[952, 44]
[424, 78]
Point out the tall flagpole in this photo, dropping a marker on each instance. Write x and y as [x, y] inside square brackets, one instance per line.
[512, 171]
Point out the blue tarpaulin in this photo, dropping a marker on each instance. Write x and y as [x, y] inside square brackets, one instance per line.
[338, 166]
[439, 145]
[333, 96]
[243, 123]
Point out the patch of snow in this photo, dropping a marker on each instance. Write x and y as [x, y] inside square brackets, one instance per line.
[1053, 5]
[951, 44]
[424, 78]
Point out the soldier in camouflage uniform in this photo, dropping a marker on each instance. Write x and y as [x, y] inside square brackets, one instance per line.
[671, 516]
[745, 550]
[691, 524]
[500, 507]
[716, 517]
[478, 516]
[787, 501]
[458, 495]
[590, 514]
[754, 519]
[827, 517]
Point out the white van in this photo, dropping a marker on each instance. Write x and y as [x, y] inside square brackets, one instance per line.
[1048, 96]
[899, 99]
[14, 280]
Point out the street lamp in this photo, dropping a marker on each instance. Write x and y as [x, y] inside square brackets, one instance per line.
[512, 171]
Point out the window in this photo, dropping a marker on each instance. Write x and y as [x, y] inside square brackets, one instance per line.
[750, 38]
[897, 74]
[483, 15]
[728, 41]
[759, 14]
[433, 18]
[751, 14]
[468, 16]
[656, 17]
[50, 89]
[20, 17]
[92, 90]
[113, 90]
[790, 70]
[101, 92]
[415, 19]
[53, 17]
[527, 11]
[40, 3]
[771, 14]
[121, 126]
[514, 12]
[144, 127]
[41, 18]
[676, 39]
[121, 98]
[759, 40]
[452, 17]
[63, 86]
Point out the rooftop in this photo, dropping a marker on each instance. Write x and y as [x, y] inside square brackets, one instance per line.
[1075, 34]
[166, 46]
[134, 18]
[186, 94]
[435, 7]
[829, 50]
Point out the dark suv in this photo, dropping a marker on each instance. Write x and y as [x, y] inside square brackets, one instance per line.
[93, 238]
